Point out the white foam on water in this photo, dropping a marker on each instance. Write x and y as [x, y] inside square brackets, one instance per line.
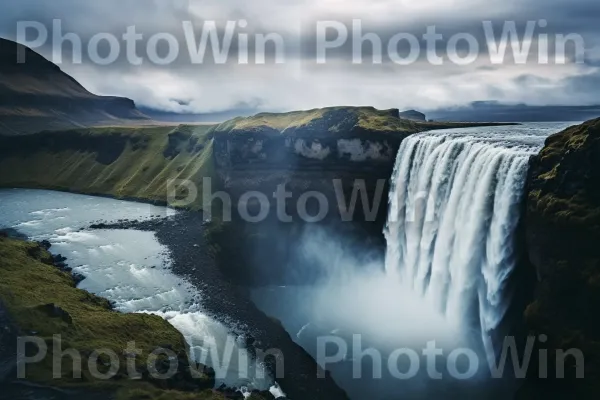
[454, 209]
[131, 269]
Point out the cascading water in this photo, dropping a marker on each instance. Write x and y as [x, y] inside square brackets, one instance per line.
[455, 205]
[454, 211]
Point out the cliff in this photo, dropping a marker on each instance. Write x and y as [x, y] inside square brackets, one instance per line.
[135, 163]
[563, 237]
[349, 137]
[305, 151]
[36, 95]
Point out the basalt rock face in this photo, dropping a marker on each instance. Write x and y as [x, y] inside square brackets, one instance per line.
[327, 152]
[36, 95]
[342, 137]
[563, 239]
[326, 160]
[306, 150]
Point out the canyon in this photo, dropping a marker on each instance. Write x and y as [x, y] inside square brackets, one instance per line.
[556, 235]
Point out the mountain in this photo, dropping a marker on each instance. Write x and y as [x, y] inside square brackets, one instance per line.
[413, 115]
[493, 111]
[186, 118]
[36, 95]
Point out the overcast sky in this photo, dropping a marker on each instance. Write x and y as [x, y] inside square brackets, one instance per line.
[300, 82]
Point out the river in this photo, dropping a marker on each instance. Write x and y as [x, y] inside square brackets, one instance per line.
[130, 268]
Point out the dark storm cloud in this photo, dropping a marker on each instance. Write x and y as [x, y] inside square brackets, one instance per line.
[300, 83]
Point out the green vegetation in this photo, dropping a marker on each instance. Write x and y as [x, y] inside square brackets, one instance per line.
[40, 298]
[566, 177]
[563, 223]
[359, 122]
[279, 121]
[124, 162]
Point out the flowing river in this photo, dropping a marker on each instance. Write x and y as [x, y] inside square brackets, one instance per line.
[130, 268]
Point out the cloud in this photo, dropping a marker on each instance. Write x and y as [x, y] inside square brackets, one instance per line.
[301, 83]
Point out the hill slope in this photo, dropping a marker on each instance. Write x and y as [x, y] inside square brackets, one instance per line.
[36, 95]
[124, 162]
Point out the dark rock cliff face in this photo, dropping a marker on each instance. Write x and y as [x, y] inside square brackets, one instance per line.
[563, 239]
[339, 138]
[332, 153]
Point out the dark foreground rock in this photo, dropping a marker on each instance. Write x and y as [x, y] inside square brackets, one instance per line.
[563, 239]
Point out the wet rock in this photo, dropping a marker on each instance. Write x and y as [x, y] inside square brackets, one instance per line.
[98, 226]
[563, 232]
[59, 258]
[78, 278]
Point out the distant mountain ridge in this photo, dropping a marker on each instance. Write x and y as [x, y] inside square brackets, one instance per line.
[36, 95]
[494, 111]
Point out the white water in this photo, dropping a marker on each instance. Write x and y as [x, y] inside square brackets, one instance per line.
[455, 205]
[130, 268]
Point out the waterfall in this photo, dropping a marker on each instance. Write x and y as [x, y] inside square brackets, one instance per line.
[455, 204]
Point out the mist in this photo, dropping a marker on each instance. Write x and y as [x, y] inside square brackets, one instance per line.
[357, 296]
[354, 302]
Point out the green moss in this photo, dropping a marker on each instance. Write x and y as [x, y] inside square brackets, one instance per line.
[562, 227]
[383, 121]
[341, 121]
[550, 174]
[279, 121]
[566, 176]
[31, 290]
[150, 158]
[576, 141]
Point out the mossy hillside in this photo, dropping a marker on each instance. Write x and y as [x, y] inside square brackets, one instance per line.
[124, 162]
[32, 289]
[342, 122]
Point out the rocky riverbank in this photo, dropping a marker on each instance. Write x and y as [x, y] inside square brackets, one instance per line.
[38, 298]
[192, 258]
